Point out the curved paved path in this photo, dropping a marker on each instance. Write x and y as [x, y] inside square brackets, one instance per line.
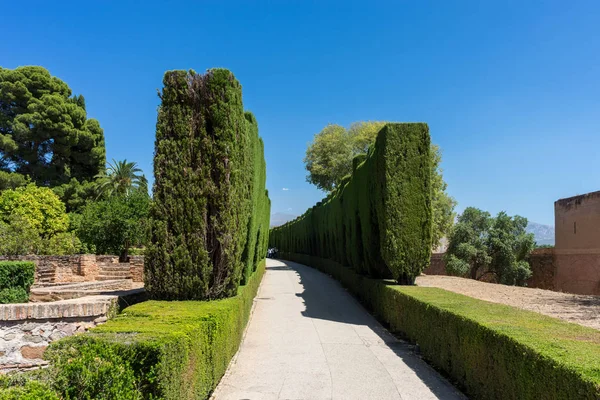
[309, 339]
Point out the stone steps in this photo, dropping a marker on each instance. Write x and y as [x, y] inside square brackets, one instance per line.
[46, 276]
[114, 268]
[77, 290]
[113, 271]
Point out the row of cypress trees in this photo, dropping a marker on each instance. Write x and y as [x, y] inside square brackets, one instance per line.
[210, 214]
[378, 221]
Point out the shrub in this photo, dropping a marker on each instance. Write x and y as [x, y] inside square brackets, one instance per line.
[111, 226]
[63, 243]
[379, 220]
[480, 245]
[18, 237]
[159, 349]
[93, 371]
[29, 390]
[207, 153]
[491, 350]
[16, 277]
[39, 206]
[13, 295]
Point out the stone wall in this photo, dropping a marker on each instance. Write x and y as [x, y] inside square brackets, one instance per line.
[541, 262]
[437, 265]
[77, 268]
[27, 329]
[552, 269]
[136, 268]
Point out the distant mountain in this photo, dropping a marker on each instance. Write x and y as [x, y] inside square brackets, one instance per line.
[544, 234]
[281, 218]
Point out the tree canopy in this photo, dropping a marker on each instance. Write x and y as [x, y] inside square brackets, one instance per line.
[480, 244]
[111, 226]
[329, 159]
[44, 130]
[121, 178]
[39, 206]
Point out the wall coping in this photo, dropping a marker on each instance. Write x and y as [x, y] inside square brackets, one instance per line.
[89, 306]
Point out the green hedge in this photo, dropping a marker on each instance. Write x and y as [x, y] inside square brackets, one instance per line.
[155, 350]
[379, 220]
[491, 350]
[16, 277]
[31, 390]
[208, 219]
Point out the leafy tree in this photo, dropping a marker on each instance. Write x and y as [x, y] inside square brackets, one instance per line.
[44, 130]
[63, 243]
[19, 237]
[111, 226]
[39, 206]
[442, 203]
[329, 159]
[480, 244]
[121, 178]
[77, 194]
[11, 180]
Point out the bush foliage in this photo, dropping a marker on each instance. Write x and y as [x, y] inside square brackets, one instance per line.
[111, 226]
[26, 390]
[210, 212]
[39, 206]
[16, 277]
[491, 350]
[379, 219]
[155, 349]
[481, 245]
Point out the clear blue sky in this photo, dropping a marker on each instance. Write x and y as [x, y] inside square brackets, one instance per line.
[510, 89]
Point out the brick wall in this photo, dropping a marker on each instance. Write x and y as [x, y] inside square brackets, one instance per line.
[136, 268]
[575, 271]
[543, 268]
[77, 268]
[437, 266]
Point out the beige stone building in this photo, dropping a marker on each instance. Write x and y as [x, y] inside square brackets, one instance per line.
[577, 247]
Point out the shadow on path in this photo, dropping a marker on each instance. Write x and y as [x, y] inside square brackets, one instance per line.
[326, 299]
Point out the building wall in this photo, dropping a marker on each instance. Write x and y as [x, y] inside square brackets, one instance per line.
[577, 249]
[577, 221]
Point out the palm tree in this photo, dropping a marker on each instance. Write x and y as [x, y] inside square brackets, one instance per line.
[121, 178]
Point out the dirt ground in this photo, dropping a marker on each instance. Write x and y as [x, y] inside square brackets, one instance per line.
[579, 309]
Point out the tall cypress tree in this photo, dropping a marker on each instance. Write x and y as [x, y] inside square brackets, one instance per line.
[204, 188]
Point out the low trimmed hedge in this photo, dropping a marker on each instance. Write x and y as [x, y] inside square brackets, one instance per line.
[20, 387]
[155, 349]
[16, 277]
[491, 350]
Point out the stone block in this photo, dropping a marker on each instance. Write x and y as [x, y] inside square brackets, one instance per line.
[33, 353]
[33, 338]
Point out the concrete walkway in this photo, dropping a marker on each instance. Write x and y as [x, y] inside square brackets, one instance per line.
[309, 339]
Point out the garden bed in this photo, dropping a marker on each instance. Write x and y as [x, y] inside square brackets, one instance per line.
[579, 309]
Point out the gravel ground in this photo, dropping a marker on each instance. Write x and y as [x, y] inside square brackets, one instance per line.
[579, 309]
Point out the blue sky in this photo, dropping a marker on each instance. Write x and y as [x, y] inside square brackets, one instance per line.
[510, 89]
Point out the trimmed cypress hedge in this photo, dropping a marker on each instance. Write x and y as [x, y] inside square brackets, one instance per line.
[379, 219]
[491, 350]
[155, 349]
[208, 216]
[16, 277]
